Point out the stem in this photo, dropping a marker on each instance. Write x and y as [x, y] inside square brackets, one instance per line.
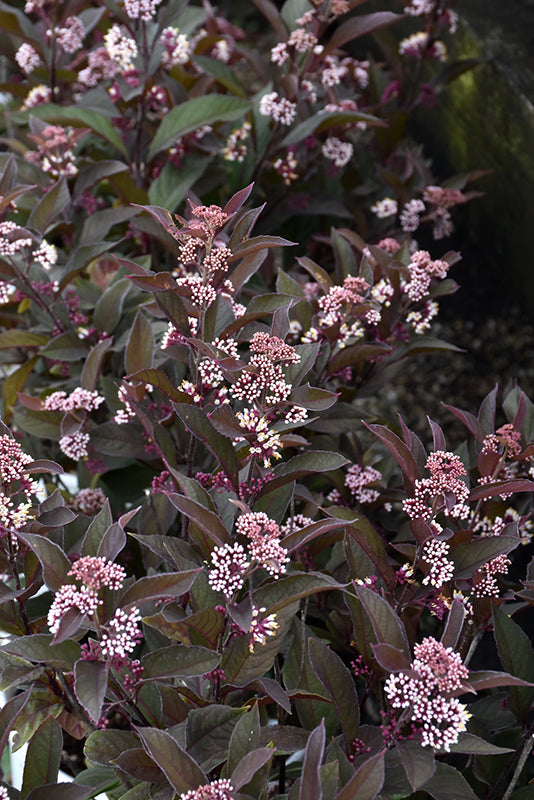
[524, 754]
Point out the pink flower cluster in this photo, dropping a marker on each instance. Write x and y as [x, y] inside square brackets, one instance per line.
[280, 109]
[484, 582]
[231, 562]
[442, 492]
[422, 271]
[77, 400]
[441, 570]
[358, 479]
[220, 789]
[121, 633]
[426, 696]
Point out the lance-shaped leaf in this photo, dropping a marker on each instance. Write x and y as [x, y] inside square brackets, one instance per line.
[160, 381]
[501, 487]
[196, 421]
[418, 762]
[208, 733]
[139, 352]
[258, 243]
[324, 120]
[386, 624]
[470, 556]
[448, 784]
[39, 647]
[313, 398]
[61, 791]
[49, 206]
[182, 771]
[469, 743]
[358, 26]
[398, 450]
[43, 756]
[517, 657]
[339, 685]
[304, 535]
[366, 781]
[90, 686]
[206, 520]
[203, 627]
[390, 658]
[56, 566]
[192, 114]
[73, 115]
[489, 679]
[96, 530]
[455, 623]
[249, 766]
[356, 354]
[179, 661]
[301, 465]
[9, 715]
[152, 587]
[310, 781]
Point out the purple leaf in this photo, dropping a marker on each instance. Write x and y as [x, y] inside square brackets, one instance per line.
[359, 26]
[390, 658]
[182, 771]
[418, 762]
[90, 686]
[367, 780]
[54, 562]
[310, 781]
[339, 684]
[398, 450]
[249, 765]
[153, 587]
[386, 624]
[455, 623]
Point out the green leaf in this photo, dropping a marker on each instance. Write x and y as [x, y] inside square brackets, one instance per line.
[72, 115]
[180, 662]
[339, 685]
[172, 184]
[15, 383]
[180, 769]
[17, 337]
[517, 657]
[49, 206]
[96, 172]
[42, 757]
[324, 120]
[66, 347]
[222, 72]
[102, 747]
[367, 781]
[310, 781]
[190, 115]
[448, 784]
[90, 686]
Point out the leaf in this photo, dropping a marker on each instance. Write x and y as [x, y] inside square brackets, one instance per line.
[468, 743]
[256, 244]
[517, 657]
[39, 647]
[96, 172]
[359, 26]
[16, 337]
[71, 115]
[207, 520]
[172, 184]
[102, 747]
[14, 383]
[249, 765]
[367, 780]
[313, 398]
[390, 658]
[323, 120]
[386, 624]
[54, 562]
[310, 781]
[203, 627]
[180, 662]
[448, 784]
[398, 450]
[180, 769]
[303, 464]
[196, 421]
[108, 309]
[418, 762]
[60, 791]
[455, 623]
[139, 351]
[222, 72]
[208, 733]
[468, 557]
[192, 114]
[152, 587]
[90, 686]
[93, 364]
[43, 756]
[339, 685]
[489, 679]
[49, 206]
[502, 487]
[66, 347]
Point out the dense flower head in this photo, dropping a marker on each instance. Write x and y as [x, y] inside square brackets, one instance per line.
[70, 35]
[13, 238]
[121, 633]
[27, 58]
[280, 109]
[97, 572]
[77, 400]
[75, 446]
[263, 536]
[275, 348]
[141, 9]
[441, 570]
[438, 718]
[443, 492]
[230, 563]
[89, 501]
[338, 151]
[121, 48]
[261, 628]
[221, 789]
[484, 582]
[385, 208]
[84, 600]
[13, 460]
[177, 48]
[357, 481]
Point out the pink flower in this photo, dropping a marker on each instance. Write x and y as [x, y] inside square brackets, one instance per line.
[221, 789]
